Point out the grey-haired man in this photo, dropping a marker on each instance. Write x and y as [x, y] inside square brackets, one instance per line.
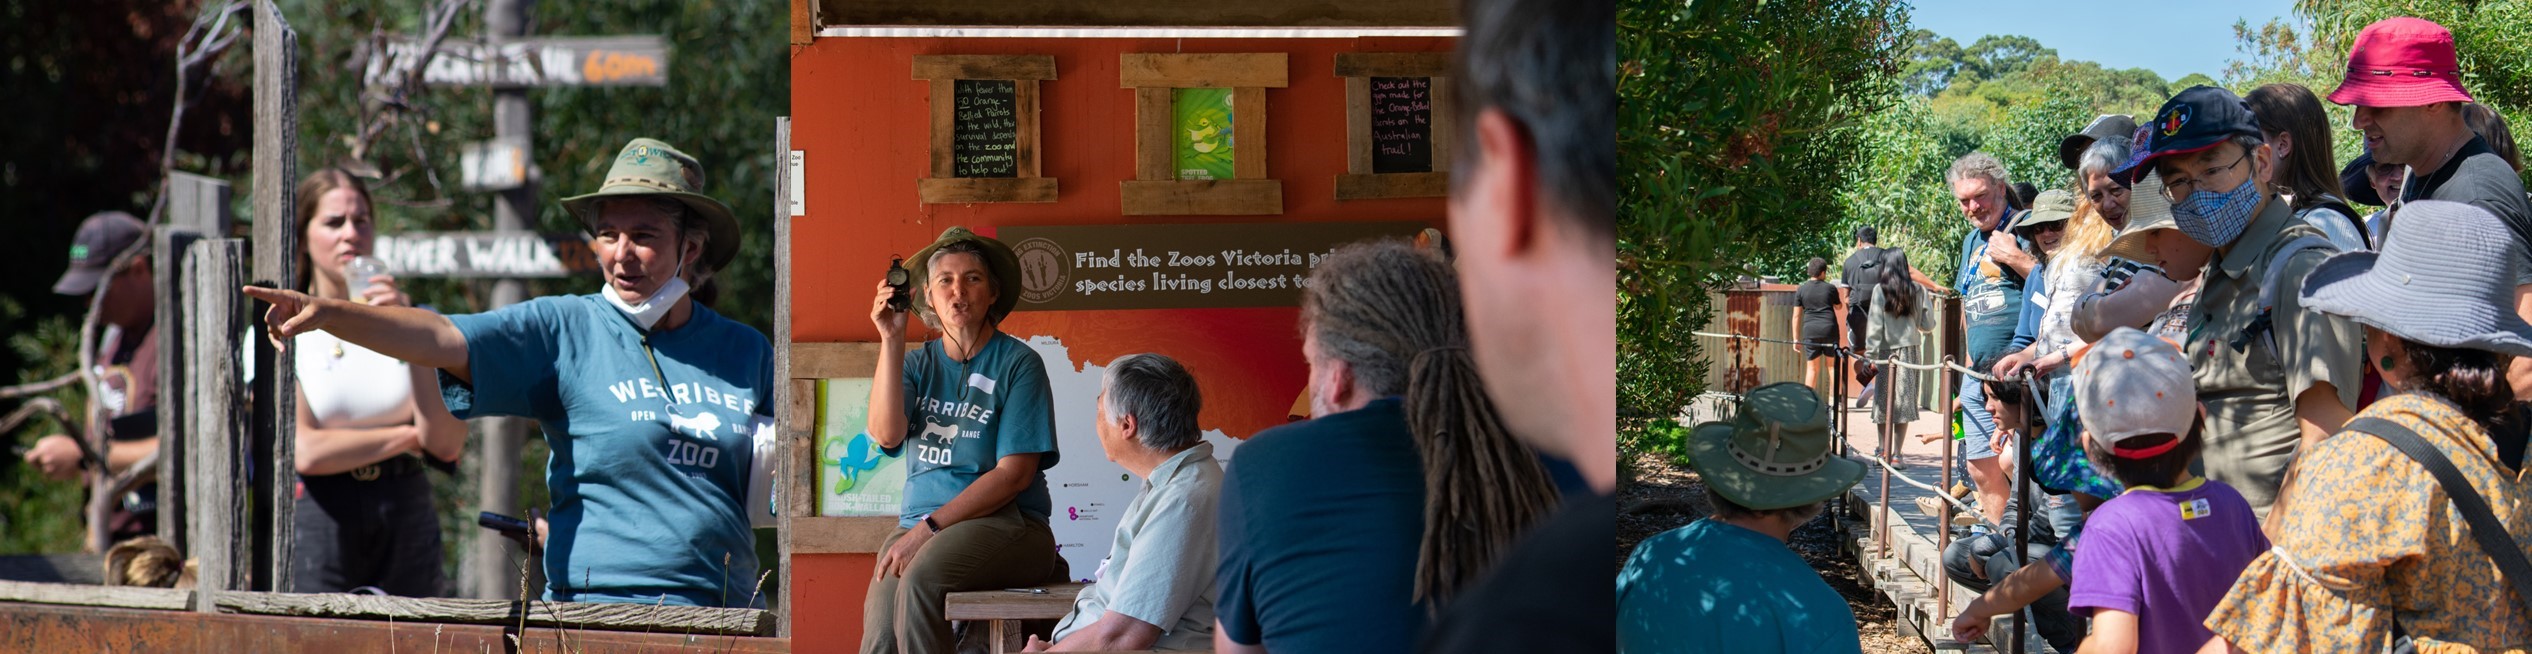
[1156, 588]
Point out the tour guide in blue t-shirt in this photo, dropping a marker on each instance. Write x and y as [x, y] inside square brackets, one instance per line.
[974, 411]
[649, 400]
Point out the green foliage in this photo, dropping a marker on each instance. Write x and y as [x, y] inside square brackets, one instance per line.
[1734, 144]
[38, 514]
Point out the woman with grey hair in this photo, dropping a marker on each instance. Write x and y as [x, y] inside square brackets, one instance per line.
[974, 412]
[1339, 533]
[2107, 192]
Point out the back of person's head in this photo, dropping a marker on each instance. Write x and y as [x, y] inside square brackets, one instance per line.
[2023, 195]
[1550, 66]
[1392, 314]
[1898, 290]
[2291, 111]
[146, 561]
[2472, 379]
[1726, 509]
[1867, 235]
[2491, 127]
[2141, 419]
[1161, 397]
[1817, 267]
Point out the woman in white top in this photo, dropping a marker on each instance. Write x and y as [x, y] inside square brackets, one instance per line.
[366, 516]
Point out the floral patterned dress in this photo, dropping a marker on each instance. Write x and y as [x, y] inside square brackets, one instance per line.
[2367, 538]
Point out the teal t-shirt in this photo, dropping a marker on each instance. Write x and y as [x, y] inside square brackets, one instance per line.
[649, 477]
[1714, 587]
[962, 418]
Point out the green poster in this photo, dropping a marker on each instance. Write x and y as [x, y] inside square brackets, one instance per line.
[854, 477]
[1202, 132]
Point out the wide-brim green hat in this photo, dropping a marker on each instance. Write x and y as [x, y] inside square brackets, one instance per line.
[998, 258]
[648, 167]
[1776, 453]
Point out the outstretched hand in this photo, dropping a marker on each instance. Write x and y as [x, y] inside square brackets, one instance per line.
[292, 313]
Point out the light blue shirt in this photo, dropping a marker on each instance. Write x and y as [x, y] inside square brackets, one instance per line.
[1715, 587]
[962, 418]
[649, 467]
[1160, 568]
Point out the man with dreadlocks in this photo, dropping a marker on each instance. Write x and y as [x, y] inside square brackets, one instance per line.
[1328, 541]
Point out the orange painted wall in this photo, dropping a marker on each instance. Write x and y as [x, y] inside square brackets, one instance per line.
[863, 123]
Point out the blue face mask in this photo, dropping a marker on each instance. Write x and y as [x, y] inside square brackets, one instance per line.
[2213, 218]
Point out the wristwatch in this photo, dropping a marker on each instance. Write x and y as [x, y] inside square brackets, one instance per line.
[929, 524]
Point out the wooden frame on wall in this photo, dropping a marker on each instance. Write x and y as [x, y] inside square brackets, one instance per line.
[1156, 188]
[944, 184]
[1362, 179]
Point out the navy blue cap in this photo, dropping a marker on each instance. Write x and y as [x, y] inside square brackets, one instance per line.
[2197, 118]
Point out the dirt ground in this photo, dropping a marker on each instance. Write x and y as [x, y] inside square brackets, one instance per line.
[1667, 497]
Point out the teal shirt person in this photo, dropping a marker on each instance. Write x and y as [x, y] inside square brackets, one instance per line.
[650, 466]
[962, 418]
[1716, 587]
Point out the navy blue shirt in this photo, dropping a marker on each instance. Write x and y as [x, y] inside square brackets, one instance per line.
[1321, 521]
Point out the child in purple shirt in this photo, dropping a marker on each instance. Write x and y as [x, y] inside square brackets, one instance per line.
[2157, 559]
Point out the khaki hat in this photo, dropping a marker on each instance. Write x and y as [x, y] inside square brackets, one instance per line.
[648, 167]
[2148, 210]
[998, 258]
[2053, 205]
[1776, 453]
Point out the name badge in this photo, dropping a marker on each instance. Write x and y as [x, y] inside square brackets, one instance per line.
[2194, 509]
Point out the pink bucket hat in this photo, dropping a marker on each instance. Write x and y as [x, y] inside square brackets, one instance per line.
[2401, 62]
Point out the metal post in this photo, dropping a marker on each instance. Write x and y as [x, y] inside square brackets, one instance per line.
[489, 572]
[1943, 531]
[1881, 521]
[2022, 498]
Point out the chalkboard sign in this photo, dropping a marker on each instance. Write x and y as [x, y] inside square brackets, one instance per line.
[986, 129]
[1402, 124]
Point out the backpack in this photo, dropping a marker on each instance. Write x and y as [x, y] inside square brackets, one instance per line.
[1860, 294]
[2262, 326]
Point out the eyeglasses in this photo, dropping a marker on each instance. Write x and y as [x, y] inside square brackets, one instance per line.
[2180, 190]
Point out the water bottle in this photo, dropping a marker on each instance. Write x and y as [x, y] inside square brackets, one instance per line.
[356, 274]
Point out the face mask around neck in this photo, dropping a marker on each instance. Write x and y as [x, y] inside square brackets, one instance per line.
[653, 308]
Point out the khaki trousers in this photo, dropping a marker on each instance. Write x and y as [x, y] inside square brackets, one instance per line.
[1006, 549]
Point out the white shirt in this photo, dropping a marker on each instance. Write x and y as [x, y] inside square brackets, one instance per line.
[358, 388]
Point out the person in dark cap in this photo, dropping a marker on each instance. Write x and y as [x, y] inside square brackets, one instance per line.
[110, 253]
[2275, 377]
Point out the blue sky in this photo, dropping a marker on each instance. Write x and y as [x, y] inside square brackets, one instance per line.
[2171, 37]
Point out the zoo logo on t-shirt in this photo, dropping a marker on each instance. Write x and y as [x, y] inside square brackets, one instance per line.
[934, 445]
[694, 430]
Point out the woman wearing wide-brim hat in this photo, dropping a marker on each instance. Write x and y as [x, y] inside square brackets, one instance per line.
[654, 404]
[1728, 582]
[973, 414]
[2367, 541]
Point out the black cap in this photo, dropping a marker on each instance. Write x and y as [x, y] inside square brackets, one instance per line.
[2070, 150]
[2358, 181]
[2198, 118]
[101, 238]
[1865, 234]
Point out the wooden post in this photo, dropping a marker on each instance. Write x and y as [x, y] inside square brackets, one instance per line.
[488, 572]
[216, 488]
[276, 261]
[197, 206]
[792, 460]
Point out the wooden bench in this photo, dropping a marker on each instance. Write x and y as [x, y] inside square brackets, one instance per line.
[1004, 609]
